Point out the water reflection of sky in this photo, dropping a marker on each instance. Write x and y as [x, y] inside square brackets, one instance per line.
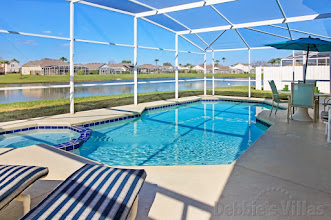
[55, 93]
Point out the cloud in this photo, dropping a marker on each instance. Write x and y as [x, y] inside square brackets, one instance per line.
[27, 42]
[65, 45]
[47, 32]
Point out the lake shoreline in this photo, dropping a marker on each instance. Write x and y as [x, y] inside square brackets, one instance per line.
[28, 79]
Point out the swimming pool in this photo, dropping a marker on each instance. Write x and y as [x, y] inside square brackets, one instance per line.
[32, 137]
[199, 133]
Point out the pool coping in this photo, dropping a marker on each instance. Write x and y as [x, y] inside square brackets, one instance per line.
[85, 132]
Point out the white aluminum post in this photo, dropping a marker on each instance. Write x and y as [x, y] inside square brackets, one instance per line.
[205, 74]
[135, 70]
[72, 73]
[293, 64]
[249, 73]
[213, 60]
[176, 64]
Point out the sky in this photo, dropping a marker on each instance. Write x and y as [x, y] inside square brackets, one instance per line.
[51, 17]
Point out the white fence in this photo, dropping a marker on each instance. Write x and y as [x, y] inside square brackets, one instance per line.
[284, 75]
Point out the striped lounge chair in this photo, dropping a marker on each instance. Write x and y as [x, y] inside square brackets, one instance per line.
[14, 179]
[93, 192]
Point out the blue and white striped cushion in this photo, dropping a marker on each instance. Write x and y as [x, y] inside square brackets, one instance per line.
[92, 192]
[14, 179]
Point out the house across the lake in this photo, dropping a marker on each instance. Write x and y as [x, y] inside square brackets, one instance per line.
[51, 67]
[240, 68]
[120, 68]
[98, 68]
[12, 67]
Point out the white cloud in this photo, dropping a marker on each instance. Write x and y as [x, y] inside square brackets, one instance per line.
[65, 45]
[47, 32]
[27, 42]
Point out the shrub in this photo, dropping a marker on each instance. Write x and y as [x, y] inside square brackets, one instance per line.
[94, 72]
[286, 88]
[80, 72]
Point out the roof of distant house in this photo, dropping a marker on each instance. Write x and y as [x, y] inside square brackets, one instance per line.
[125, 65]
[45, 63]
[223, 67]
[244, 64]
[151, 66]
[94, 66]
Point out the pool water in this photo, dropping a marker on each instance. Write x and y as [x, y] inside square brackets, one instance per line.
[191, 134]
[28, 138]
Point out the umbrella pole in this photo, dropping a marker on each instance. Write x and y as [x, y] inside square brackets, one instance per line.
[305, 73]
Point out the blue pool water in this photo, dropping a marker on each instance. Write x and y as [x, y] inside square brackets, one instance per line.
[27, 138]
[191, 134]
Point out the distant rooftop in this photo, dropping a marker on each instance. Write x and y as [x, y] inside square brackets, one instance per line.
[44, 63]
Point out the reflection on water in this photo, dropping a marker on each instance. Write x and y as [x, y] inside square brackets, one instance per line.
[55, 93]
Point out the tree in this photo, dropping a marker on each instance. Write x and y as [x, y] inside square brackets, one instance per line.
[167, 64]
[272, 61]
[275, 61]
[63, 59]
[217, 61]
[14, 60]
[156, 60]
[126, 61]
[4, 62]
[278, 60]
[223, 59]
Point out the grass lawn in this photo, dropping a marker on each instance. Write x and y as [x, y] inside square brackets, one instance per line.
[18, 78]
[32, 109]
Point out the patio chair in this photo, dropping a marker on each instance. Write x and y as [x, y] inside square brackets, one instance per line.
[14, 179]
[327, 102]
[302, 95]
[326, 118]
[93, 192]
[275, 96]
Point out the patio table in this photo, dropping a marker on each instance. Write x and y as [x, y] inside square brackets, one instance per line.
[302, 113]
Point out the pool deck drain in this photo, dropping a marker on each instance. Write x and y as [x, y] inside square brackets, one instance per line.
[273, 165]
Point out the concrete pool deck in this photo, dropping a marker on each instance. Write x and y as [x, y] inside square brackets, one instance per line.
[288, 167]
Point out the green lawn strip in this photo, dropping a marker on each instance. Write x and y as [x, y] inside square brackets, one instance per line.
[32, 109]
[242, 91]
[18, 78]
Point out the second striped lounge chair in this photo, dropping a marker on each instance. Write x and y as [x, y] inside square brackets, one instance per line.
[93, 192]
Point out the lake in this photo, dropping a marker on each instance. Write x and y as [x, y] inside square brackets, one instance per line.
[146, 85]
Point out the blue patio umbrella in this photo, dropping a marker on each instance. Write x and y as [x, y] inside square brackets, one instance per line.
[306, 44]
